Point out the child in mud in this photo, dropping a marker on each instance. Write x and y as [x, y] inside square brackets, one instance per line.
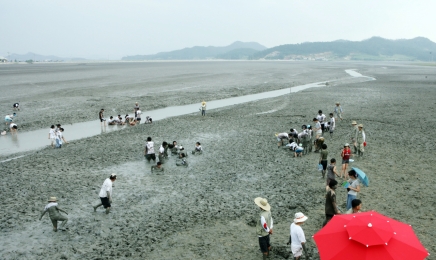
[148, 120]
[106, 193]
[138, 116]
[332, 124]
[338, 111]
[197, 149]
[60, 138]
[163, 152]
[102, 119]
[16, 106]
[356, 205]
[174, 148]
[111, 121]
[158, 167]
[52, 135]
[281, 137]
[53, 212]
[323, 159]
[317, 128]
[8, 119]
[331, 172]
[149, 150]
[299, 151]
[181, 161]
[14, 128]
[360, 140]
[120, 120]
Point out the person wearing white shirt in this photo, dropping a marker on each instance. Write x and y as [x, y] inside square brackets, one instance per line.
[332, 124]
[106, 193]
[321, 119]
[14, 128]
[52, 135]
[317, 128]
[264, 226]
[360, 140]
[297, 239]
[162, 152]
[281, 137]
[138, 116]
[149, 150]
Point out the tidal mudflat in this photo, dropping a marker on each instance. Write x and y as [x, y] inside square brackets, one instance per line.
[206, 211]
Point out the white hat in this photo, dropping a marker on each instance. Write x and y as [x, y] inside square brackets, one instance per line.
[262, 203]
[299, 217]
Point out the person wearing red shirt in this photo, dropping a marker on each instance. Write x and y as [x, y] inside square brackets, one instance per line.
[345, 154]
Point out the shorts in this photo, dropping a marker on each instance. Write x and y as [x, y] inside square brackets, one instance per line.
[297, 250]
[138, 119]
[105, 202]
[345, 161]
[264, 244]
[299, 150]
[8, 120]
[328, 180]
[150, 156]
[102, 119]
[324, 164]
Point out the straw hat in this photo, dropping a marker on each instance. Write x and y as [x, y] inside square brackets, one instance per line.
[337, 103]
[354, 123]
[52, 199]
[262, 203]
[299, 217]
[360, 125]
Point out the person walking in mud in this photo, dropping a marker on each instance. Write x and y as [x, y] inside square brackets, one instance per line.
[360, 140]
[54, 214]
[203, 108]
[331, 207]
[338, 111]
[297, 239]
[264, 226]
[345, 154]
[323, 159]
[106, 193]
[353, 136]
[102, 119]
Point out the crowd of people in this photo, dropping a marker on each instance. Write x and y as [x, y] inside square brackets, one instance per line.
[300, 144]
[128, 119]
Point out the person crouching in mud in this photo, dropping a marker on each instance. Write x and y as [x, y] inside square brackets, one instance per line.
[53, 211]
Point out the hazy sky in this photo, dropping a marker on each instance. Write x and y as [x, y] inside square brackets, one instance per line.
[112, 29]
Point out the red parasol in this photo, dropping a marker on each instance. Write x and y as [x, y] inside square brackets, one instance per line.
[368, 235]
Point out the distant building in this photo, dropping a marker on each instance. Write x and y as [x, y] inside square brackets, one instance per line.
[3, 59]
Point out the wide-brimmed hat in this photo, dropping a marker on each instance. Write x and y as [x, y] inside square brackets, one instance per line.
[299, 217]
[337, 103]
[262, 203]
[346, 144]
[52, 199]
[360, 125]
[354, 123]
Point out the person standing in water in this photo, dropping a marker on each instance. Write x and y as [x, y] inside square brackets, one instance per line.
[203, 108]
[101, 116]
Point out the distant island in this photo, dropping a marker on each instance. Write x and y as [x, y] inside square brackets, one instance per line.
[374, 49]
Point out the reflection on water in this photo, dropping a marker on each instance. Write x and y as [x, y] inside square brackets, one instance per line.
[38, 139]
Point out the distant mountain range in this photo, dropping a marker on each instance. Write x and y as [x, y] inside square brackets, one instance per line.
[237, 50]
[37, 57]
[375, 48]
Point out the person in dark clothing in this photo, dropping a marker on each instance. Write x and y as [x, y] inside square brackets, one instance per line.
[331, 207]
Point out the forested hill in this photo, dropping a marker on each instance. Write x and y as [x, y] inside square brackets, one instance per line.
[238, 50]
[375, 48]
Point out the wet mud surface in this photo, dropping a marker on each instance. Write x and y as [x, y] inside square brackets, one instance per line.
[206, 211]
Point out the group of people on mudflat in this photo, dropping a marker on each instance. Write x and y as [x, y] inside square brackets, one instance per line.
[9, 121]
[299, 144]
[128, 119]
[105, 193]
